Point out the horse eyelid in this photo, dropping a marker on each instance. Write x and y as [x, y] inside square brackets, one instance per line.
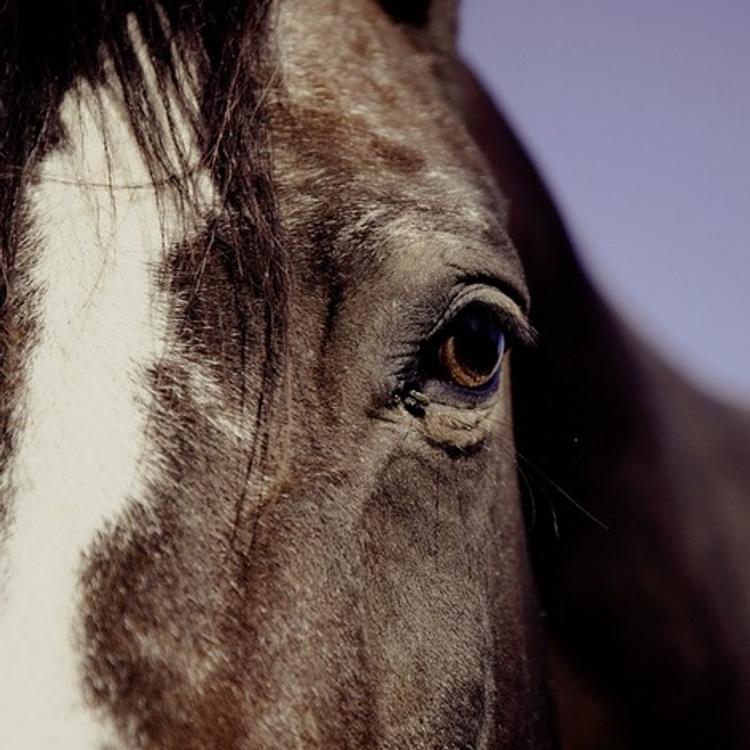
[516, 327]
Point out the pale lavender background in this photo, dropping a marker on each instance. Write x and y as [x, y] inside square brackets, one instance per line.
[638, 113]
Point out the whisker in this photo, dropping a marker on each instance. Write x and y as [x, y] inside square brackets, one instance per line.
[541, 474]
[552, 483]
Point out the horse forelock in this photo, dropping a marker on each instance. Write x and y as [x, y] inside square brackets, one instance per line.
[187, 83]
[204, 68]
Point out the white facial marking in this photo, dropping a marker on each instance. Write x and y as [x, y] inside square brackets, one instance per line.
[79, 457]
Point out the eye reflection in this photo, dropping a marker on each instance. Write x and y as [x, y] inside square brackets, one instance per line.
[471, 352]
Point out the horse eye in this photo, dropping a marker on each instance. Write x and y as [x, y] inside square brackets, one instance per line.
[471, 351]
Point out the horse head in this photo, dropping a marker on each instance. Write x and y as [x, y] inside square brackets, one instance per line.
[260, 478]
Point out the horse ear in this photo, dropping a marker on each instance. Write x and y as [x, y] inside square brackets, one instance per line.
[637, 489]
[430, 22]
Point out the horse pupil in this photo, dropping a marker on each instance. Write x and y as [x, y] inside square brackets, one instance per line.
[471, 352]
[477, 344]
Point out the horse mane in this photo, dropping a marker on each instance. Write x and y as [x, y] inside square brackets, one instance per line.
[47, 48]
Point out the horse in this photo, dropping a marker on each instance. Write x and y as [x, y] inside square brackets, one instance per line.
[266, 479]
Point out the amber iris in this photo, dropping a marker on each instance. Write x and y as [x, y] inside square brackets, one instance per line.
[471, 353]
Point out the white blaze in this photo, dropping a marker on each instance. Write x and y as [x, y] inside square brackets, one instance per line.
[78, 459]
